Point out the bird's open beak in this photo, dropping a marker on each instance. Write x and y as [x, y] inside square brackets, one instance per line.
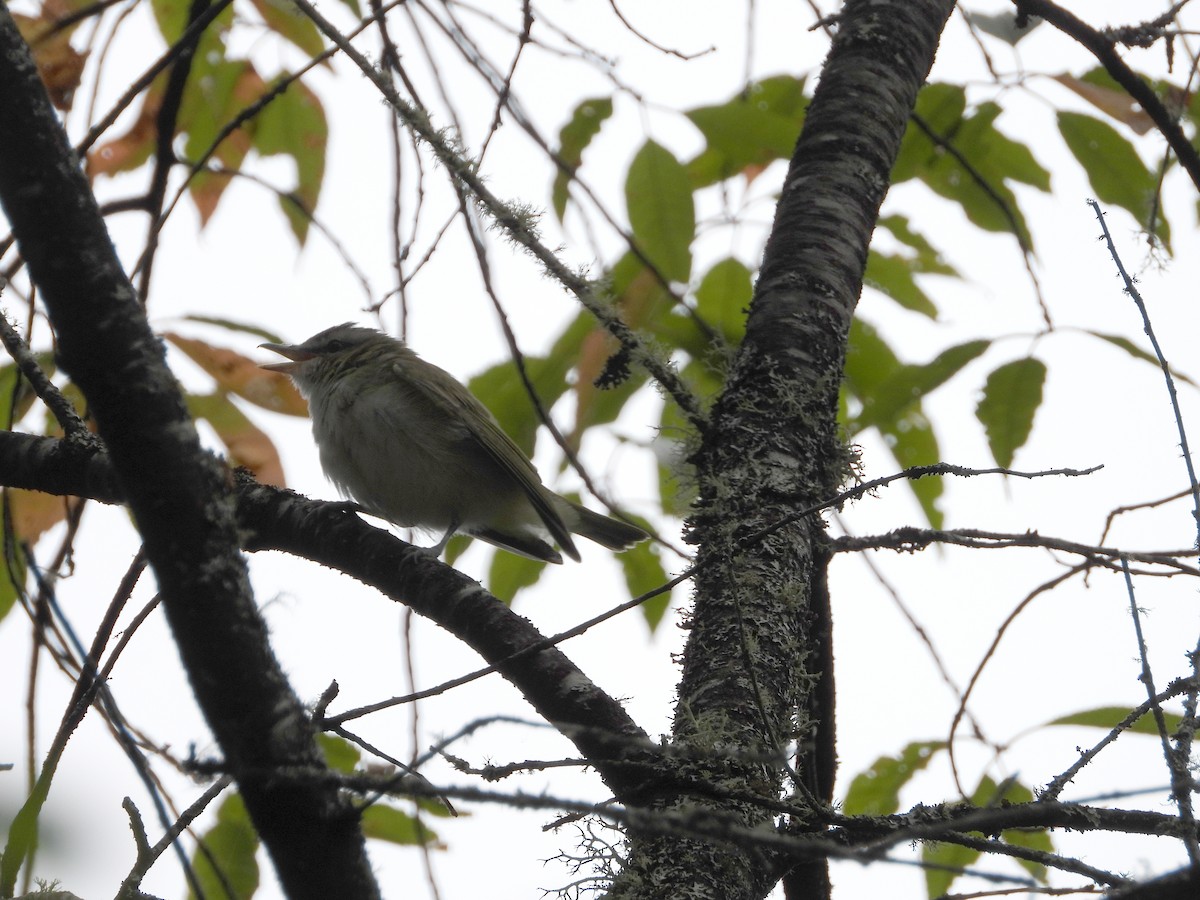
[296, 356]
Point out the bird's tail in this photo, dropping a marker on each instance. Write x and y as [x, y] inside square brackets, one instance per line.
[606, 531]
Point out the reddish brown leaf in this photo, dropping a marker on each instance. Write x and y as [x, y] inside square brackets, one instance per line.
[34, 513]
[594, 353]
[1117, 104]
[248, 445]
[206, 189]
[242, 376]
[134, 147]
[59, 64]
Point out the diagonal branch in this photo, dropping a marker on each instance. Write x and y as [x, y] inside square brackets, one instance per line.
[1104, 48]
[276, 519]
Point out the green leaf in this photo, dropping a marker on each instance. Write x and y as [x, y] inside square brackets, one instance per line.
[876, 792]
[871, 367]
[676, 483]
[216, 94]
[294, 125]
[603, 406]
[640, 294]
[679, 330]
[749, 131]
[509, 573]
[869, 360]
[340, 754]
[941, 108]
[225, 866]
[942, 862]
[502, 391]
[1038, 839]
[913, 443]
[210, 103]
[239, 327]
[909, 384]
[723, 297]
[676, 488]
[436, 806]
[1114, 169]
[1107, 718]
[207, 102]
[574, 138]
[662, 214]
[10, 577]
[991, 158]
[286, 20]
[386, 823]
[990, 151]
[987, 794]
[1011, 398]
[457, 547]
[983, 196]
[171, 17]
[23, 832]
[926, 257]
[644, 572]
[1138, 353]
[16, 395]
[893, 276]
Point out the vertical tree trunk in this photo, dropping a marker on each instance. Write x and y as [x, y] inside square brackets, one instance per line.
[757, 669]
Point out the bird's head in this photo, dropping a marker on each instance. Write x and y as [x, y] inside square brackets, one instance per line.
[330, 350]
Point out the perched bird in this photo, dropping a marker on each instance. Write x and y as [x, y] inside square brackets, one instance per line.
[408, 443]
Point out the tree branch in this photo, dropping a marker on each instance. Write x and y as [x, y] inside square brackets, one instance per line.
[1104, 48]
[757, 669]
[177, 493]
[271, 518]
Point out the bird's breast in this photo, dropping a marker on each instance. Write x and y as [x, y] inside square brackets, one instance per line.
[400, 457]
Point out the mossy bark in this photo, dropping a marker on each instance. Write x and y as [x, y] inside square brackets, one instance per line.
[757, 670]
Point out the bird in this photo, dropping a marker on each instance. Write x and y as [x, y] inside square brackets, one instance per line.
[407, 442]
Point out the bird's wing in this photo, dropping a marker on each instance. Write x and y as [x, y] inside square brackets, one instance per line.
[521, 544]
[503, 450]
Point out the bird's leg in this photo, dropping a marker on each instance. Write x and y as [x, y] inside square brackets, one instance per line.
[436, 549]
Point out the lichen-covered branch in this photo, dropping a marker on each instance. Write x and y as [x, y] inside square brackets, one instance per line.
[178, 494]
[757, 670]
[270, 518]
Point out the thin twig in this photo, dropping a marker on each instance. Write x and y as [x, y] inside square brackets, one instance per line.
[990, 652]
[1186, 732]
[516, 223]
[1182, 783]
[70, 421]
[1103, 47]
[1056, 785]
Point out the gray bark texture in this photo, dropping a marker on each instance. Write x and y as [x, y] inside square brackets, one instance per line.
[757, 669]
[179, 495]
[757, 673]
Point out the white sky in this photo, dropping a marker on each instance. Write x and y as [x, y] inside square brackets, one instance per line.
[1072, 650]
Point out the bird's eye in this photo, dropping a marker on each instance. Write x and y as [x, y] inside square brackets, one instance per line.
[335, 346]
